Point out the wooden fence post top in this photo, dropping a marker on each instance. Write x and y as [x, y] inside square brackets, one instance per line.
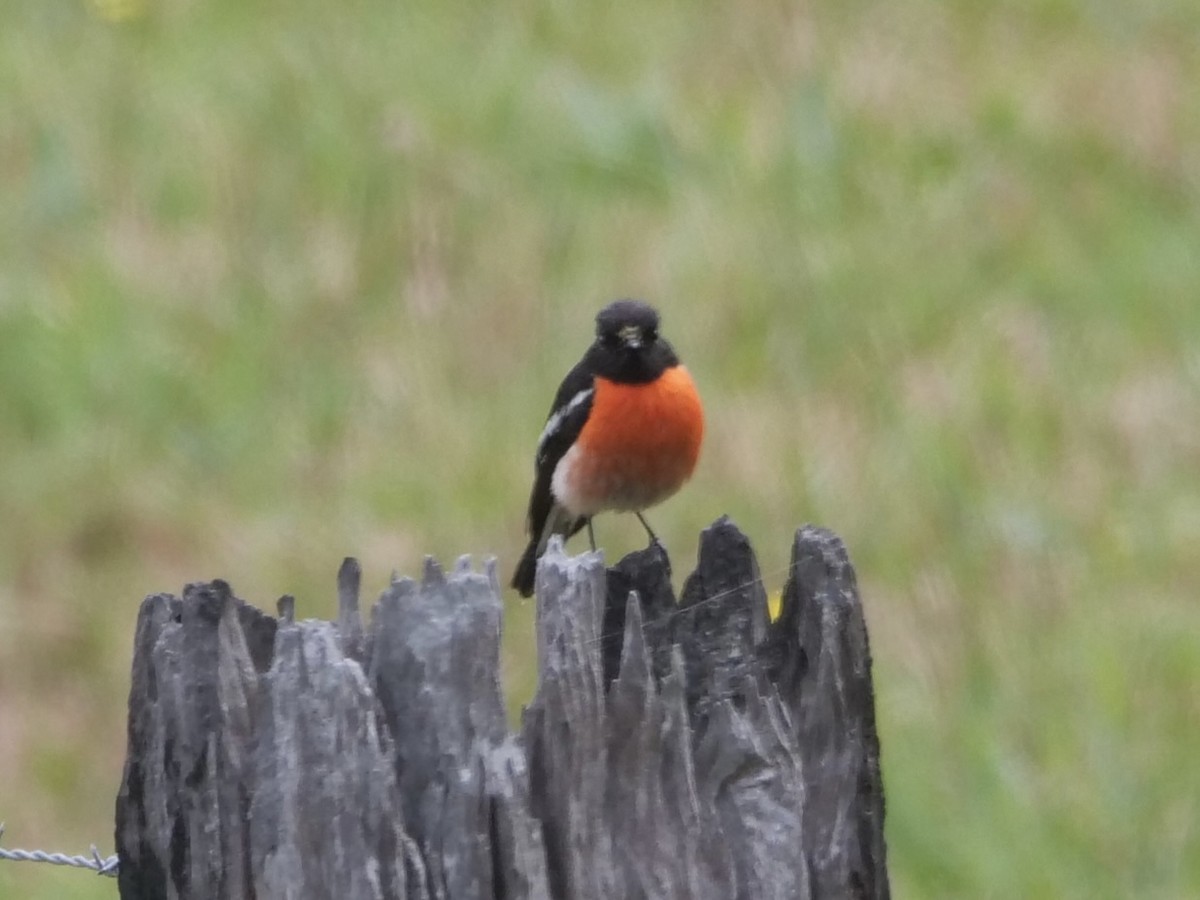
[673, 749]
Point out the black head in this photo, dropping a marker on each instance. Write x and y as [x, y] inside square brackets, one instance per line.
[628, 347]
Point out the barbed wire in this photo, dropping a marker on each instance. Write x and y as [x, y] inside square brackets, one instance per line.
[680, 611]
[97, 863]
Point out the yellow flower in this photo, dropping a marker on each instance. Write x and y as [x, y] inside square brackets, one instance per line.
[774, 604]
[118, 10]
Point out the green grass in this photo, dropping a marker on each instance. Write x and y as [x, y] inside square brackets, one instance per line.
[284, 282]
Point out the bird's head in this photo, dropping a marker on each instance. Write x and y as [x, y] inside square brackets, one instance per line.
[628, 346]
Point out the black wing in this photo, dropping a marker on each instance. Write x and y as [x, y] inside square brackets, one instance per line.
[570, 410]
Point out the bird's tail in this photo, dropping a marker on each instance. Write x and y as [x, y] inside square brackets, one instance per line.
[526, 570]
[558, 522]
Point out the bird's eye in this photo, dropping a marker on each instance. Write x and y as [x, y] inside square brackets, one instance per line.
[651, 335]
[610, 340]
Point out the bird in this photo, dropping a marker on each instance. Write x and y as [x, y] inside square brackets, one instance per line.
[623, 434]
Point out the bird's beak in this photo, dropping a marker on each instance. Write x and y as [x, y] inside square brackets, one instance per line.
[631, 336]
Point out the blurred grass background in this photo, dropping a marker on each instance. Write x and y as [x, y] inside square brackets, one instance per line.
[287, 281]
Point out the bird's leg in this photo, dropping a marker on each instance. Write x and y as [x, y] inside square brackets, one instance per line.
[649, 530]
[591, 534]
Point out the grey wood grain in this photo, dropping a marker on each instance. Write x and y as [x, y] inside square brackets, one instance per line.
[672, 750]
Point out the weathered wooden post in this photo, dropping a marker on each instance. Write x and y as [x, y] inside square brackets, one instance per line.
[689, 750]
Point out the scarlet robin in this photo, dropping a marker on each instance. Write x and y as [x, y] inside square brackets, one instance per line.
[623, 434]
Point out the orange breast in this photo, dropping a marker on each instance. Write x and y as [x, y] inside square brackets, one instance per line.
[640, 443]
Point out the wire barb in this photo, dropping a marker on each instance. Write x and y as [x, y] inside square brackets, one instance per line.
[97, 863]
